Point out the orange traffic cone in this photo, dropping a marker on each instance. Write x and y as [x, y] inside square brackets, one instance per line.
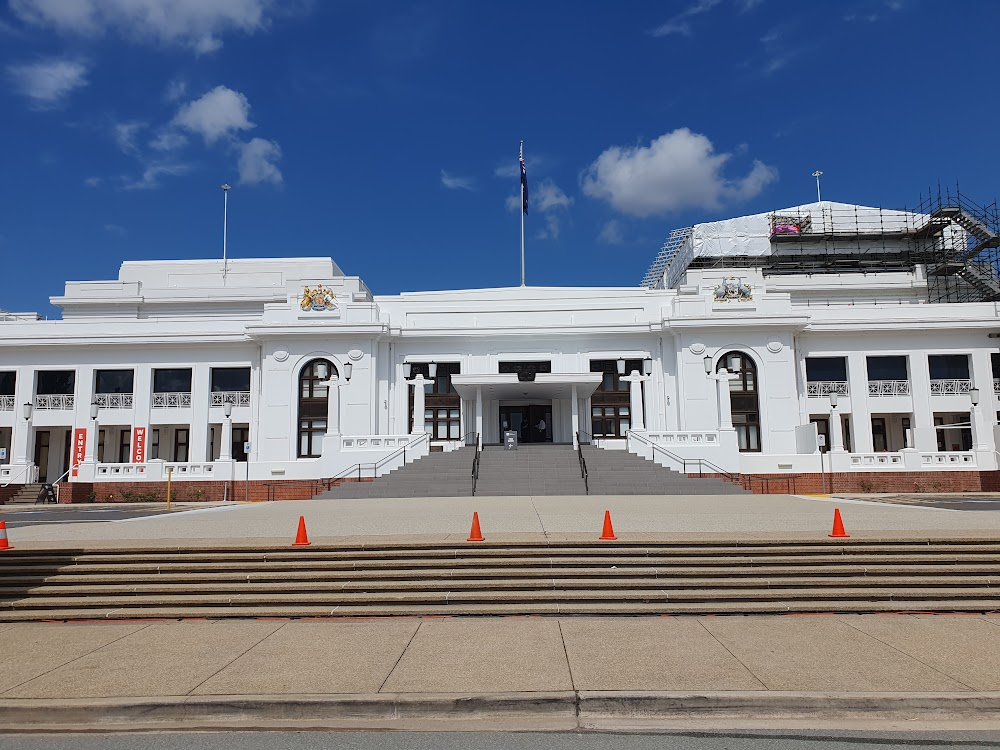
[609, 531]
[475, 535]
[838, 526]
[4, 544]
[301, 539]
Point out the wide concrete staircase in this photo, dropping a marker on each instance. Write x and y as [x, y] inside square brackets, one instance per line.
[439, 474]
[550, 577]
[622, 473]
[541, 469]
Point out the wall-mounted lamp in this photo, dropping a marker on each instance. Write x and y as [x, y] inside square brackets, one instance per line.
[647, 367]
[407, 370]
[26, 410]
[322, 370]
[227, 409]
[974, 395]
[621, 366]
[708, 364]
[348, 369]
[432, 370]
[833, 400]
[93, 410]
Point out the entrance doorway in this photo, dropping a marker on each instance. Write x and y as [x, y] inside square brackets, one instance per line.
[531, 422]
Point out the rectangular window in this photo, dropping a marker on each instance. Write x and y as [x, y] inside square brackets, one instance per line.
[154, 444]
[125, 446]
[230, 379]
[172, 381]
[240, 437]
[181, 436]
[442, 418]
[948, 366]
[887, 368]
[311, 432]
[113, 381]
[56, 382]
[610, 421]
[7, 381]
[826, 368]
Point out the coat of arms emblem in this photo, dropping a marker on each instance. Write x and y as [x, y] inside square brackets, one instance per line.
[733, 289]
[318, 299]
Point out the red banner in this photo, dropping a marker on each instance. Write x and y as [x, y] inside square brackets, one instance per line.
[79, 448]
[139, 445]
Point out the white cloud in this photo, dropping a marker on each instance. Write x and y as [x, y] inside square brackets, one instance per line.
[47, 83]
[176, 90]
[454, 182]
[93, 182]
[257, 162]
[678, 170]
[195, 24]
[125, 135]
[680, 23]
[168, 140]
[612, 234]
[116, 229]
[549, 196]
[152, 173]
[549, 201]
[221, 112]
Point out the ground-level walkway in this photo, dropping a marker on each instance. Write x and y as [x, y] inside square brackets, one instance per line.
[564, 670]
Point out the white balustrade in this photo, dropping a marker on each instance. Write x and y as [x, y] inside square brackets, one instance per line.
[236, 398]
[870, 461]
[818, 388]
[18, 474]
[121, 471]
[54, 401]
[948, 460]
[950, 386]
[6, 403]
[996, 385]
[888, 387]
[171, 400]
[683, 438]
[199, 469]
[374, 442]
[114, 400]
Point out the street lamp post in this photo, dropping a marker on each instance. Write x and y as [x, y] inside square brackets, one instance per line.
[226, 449]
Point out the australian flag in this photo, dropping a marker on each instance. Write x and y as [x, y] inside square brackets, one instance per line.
[524, 184]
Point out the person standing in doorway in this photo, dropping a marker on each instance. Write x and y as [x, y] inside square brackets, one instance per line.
[541, 429]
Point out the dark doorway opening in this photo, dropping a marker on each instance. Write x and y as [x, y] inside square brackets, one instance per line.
[531, 422]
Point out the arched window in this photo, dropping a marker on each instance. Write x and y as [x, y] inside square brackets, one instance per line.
[314, 394]
[743, 394]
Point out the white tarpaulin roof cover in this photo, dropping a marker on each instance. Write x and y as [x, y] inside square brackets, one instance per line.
[751, 235]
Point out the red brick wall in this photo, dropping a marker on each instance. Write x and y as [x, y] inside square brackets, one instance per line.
[209, 491]
[875, 481]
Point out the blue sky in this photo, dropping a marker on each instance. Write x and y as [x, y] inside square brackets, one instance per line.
[385, 135]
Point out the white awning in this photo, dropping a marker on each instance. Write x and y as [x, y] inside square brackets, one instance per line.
[546, 385]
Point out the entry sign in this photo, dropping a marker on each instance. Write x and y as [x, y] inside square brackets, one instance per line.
[79, 448]
[139, 445]
[510, 440]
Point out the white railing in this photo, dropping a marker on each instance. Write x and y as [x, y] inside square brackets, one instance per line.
[6, 403]
[18, 474]
[107, 471]
[996, 385]
[950, 386]
[816, 388]
[187, 469]
[114, 400]
[373, 442]
[54, 401]
[236, 398]
[683, 438]
[876, 460]
[950, 460]
[171, 400]
[888, 387]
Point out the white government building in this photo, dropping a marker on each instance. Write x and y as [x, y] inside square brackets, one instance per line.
[751, 342]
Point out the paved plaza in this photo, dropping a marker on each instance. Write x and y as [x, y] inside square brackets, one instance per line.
[648, 517]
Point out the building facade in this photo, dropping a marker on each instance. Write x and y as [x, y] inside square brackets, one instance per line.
[744, 352]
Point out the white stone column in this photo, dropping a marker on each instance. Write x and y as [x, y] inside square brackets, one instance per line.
[418, 384]
[92, 432]
[924, 434]
[333, 408]
[983, 416]
[836, 431]
[201, 399]
[226, 449]
[722, 378]
[982, 434]
[635, 381]
[20, 439]
[479, 415]
[574, 416]
[860, 406]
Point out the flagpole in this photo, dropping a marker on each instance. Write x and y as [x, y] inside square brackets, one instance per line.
[225, 217]
[522, 214]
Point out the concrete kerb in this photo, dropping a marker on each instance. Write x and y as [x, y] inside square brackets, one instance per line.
[534, 710]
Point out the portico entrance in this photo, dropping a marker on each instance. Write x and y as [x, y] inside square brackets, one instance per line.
[531, 422]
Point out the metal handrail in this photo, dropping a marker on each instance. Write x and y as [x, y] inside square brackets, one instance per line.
[475, 465]
[732, 477]
[583, 461]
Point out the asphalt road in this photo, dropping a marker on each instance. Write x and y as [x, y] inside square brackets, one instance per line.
[733, 740]
[38, 515]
